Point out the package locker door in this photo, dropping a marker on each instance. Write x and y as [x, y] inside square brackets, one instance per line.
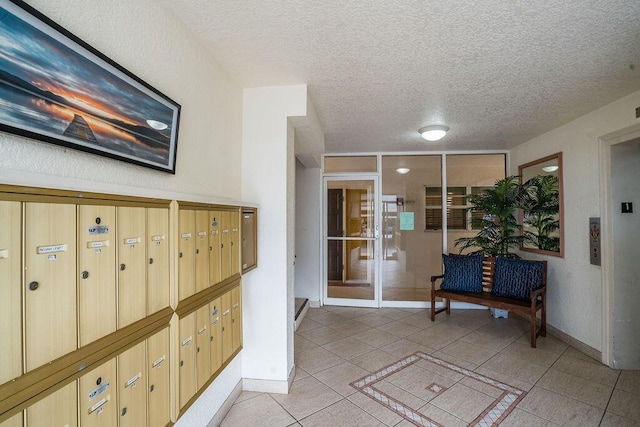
[132, 265]
[50, 279]
[15, 421]
[187, 364]
[59, 409]
[203, 363]
[186, 254]
[159, 409]
[225, 245]
[98, 396]
[97, 276]
[10, 289]
[202, 250]
[157, 259]
[236, 317]
[214, 247]
[132, 387]
[215, 335]
[235, 245]
[227, 328]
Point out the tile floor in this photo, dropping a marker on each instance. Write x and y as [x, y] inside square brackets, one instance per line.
[337, 346]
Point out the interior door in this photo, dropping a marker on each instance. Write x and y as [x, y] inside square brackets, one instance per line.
[351, 233]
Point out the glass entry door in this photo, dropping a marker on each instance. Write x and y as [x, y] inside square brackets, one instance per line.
[350, 244]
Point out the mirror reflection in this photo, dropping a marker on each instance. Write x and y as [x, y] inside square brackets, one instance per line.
[541, 217]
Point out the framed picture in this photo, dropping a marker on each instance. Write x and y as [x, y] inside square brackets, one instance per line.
[56, 88]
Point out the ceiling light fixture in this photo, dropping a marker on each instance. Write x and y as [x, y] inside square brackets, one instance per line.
[433, 132]
[403, 171]
[550, 168]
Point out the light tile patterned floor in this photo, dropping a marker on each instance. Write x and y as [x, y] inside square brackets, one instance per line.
[394, 367]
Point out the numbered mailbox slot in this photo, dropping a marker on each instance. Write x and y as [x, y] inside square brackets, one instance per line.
[225, 245]
[203, 365]
[235, 245]
[187, 361]
[214, 247]
[132, 265]
[98, 396]
[10, 290]
[96, 272]
[58, 409]
[132, 387]
[202, 250]
[158, 285]
[158, 392]
[236, 317]
[50, 282]
[186, 253]
[227, 328]
[215, 335]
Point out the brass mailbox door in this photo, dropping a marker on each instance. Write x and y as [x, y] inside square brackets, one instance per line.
[235, 244]
[236, 317]
[225, 245]
[96, 272]
[215, 331]
[187, 363]
[132, 265]
[58, 409]
[203, 368]
[214, 247]
[132, 387]
[98, 396]
[202, 250]
[157, 259]
[227, 328]
[15, 421]
[50, 280]
[186, 253]
[10, 302]
[159, 409]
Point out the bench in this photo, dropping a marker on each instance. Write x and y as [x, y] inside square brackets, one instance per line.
[537, 301]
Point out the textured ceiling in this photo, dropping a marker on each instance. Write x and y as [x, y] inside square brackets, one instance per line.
[496, 72]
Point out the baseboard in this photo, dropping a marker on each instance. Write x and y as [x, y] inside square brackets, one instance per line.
[301, 314]
[266, 386]
[577, 344]
[314, 304]
[226, 406]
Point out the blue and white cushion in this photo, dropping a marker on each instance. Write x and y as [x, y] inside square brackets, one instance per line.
[462, 273]
[516, 278]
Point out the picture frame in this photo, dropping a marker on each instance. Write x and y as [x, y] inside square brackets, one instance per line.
[58, 89]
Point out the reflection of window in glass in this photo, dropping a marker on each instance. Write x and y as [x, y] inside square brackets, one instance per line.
[459, 215]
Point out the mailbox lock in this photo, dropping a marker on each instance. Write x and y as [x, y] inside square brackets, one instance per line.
[98, 220]
[85, 274]
[122, 267]
[99, 381]
[197, 251]
[33, 286]
[210, 338]
[180, 255]
[150, 260]
[123, 412]
[197, 349]
[151, 387]
[181, 363]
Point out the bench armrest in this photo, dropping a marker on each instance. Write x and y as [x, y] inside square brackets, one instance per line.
[434, 279]
[542, 290]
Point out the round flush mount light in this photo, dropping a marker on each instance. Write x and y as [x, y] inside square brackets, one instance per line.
[550, 168]
[433, 132]
[403, 171]
[157, 125]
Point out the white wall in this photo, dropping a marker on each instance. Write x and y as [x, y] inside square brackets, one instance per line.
[575, 287]
[308, 235]
[267, 170]
[151, 44]
[625, 179]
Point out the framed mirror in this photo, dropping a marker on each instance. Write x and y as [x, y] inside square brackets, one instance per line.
[542, 213]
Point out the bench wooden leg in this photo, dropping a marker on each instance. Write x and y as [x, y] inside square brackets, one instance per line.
[533, 325]
[448, 305]
[433, 307]
[543, 318]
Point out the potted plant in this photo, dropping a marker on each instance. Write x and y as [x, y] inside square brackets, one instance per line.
[501, 232]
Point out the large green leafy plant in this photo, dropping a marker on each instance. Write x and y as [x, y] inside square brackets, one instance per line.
[501, 232]
[541, 205]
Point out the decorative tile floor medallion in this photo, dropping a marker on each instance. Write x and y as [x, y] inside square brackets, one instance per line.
[493, 415]
[436, 388]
